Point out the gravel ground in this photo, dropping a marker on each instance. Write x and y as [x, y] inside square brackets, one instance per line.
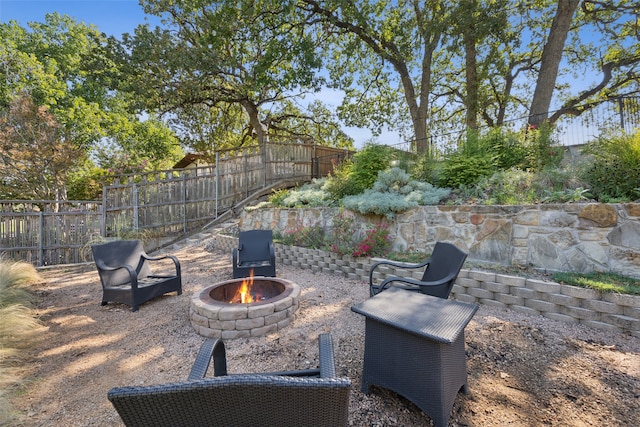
[522, 370]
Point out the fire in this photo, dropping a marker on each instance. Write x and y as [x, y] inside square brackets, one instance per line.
[243, 294]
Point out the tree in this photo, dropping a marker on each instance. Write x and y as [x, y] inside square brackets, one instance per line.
[379, 45]
[550, 61]
[63, 67]
[34, 159]
[213, 55]
[442, 63]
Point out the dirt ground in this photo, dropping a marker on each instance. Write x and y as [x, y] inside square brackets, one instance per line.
[522, 370]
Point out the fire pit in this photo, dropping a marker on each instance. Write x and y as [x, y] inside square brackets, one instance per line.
[242, 308]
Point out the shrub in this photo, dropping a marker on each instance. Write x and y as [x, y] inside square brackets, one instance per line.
[542, 151]
[461, 169]
[614, 173]
[308, 237]
[342, 234]
[375, 243]
[356, 176]
[394, 192]
[310, 194]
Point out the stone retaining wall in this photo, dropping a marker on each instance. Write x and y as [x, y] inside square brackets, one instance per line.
[580, 237]
[610, 311]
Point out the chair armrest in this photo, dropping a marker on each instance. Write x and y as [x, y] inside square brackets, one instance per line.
[417, 284]
[175, 260]
[396, 264]
[327, 363]
[133, 276]
[212, 348]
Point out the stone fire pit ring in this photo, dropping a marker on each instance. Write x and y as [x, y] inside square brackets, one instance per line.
[216, 319]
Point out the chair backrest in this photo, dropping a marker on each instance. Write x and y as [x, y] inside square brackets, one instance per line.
[118, 253]
[446, 259]
[255, 245]
[236, 400]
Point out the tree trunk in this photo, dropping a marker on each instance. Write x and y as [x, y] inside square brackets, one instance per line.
[254, 119]
[550, 63]
[471, 74]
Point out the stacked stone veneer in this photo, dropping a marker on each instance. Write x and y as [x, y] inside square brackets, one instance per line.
[581, 237]
[565, 303]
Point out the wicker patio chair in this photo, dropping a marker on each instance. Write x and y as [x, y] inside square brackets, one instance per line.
[254, 252]
[314, 397]
[125, 273]
[441, 271]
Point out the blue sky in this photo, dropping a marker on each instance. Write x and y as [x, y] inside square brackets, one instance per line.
[112, 17]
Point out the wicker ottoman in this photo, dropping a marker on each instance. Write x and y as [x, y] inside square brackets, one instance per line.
[414, 345]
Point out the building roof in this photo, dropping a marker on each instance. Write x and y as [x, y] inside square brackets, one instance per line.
[187, 160]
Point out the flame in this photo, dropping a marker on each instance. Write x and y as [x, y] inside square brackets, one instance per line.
[243, 294]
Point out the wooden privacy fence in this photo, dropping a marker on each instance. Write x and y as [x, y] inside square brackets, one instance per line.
[157, 207]
[48, 232]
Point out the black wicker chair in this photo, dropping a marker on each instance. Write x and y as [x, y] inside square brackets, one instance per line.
[125, 273]
[313, 397]
[441, 271]
[254, 252]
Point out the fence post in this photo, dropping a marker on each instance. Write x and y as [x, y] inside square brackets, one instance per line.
[103, 223]
[217, 179]
[621, 109]
[135, 208]
[41, 236]
[184, 203]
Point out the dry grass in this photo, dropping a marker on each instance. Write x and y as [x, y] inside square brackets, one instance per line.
[17, 325]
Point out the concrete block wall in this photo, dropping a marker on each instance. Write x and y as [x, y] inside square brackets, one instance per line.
[572, 304]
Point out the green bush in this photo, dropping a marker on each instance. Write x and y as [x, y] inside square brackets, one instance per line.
[342, 234]
[614, 174]
[542, 151]
[461, 169]
[310, 194]
[507, 146]
[304, 236]
[394, 192]
[356, 176]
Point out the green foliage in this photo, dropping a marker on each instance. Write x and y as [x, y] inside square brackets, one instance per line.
[394, 192]
[17, 322]
[345, 238]
[426, 169]
[566, 196]
[510, 187]
[614, 172]
[310, 194]
[339, 183]
[605, 282]
[343, 233]
[508, 147]
[542, 151]
[376, 242]
[461, 169]
[69, 74]
[362, 173]
[308, 237]
[277, 197]
[518, 187]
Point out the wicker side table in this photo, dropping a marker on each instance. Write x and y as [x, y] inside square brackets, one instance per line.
[414, 345]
